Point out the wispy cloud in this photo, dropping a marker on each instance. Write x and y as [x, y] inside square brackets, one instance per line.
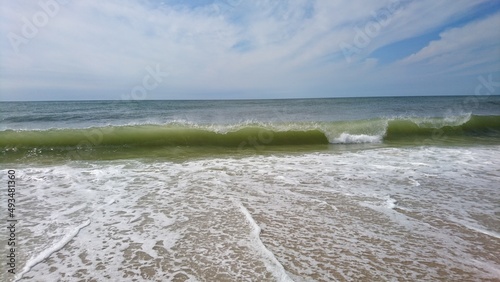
[463, 47]
[289, 48]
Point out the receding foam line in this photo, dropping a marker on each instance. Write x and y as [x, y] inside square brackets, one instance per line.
[47, 252]
[483, 231]
[474, 228]
[274, 266]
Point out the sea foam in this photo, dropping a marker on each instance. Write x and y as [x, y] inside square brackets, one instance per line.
[272, 264]
[346, 138]
[49, 251]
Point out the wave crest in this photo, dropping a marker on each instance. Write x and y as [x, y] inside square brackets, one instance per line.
[237, 135]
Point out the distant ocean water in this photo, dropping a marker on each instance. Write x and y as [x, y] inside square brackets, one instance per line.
[346, 189]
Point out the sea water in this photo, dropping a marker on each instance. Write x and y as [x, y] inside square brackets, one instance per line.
[351, 189]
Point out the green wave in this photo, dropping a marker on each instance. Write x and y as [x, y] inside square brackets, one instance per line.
[148, 135]
[475, 126]
[243, 135]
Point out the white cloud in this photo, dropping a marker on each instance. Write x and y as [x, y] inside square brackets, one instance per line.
[245, 45]
[470, 41]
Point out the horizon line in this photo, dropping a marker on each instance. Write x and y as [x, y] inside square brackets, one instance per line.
[242, 99]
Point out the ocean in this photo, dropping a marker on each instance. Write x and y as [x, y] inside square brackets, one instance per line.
[340, 189]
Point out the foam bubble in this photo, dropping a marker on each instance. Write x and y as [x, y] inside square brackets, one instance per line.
[346, 138]
[390, 203]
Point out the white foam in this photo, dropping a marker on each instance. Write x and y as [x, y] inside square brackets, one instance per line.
[346, 138]
[54, 248]
[157, 207]
[414, 182]
[477, 229]
[390, 203]
[483, 231]
[274, 266]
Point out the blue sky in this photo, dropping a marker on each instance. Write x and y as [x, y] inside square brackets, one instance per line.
[240, 49]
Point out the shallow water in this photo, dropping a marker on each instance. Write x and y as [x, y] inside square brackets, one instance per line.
[421, 213]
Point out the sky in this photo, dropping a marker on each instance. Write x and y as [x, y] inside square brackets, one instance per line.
[242, 49]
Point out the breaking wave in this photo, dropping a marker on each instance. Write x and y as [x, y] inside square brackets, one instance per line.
[273, 134]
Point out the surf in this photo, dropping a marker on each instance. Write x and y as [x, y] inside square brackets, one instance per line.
[474, 126]
[388, 130]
